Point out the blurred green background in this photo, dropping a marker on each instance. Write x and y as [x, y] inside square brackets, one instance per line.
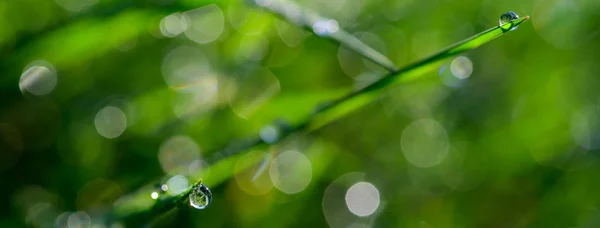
[103, 97]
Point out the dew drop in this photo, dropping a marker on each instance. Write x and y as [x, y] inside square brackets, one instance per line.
[272, 133]
[325, 27]
[200, 197]
[508, 17]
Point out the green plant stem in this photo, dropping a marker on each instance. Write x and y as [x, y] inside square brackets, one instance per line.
[307, 19]
[141, 204]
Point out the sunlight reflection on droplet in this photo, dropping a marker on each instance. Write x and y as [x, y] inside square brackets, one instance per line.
[79, 219]
[362, 199]
[154, 195]
[424, 143]
[173, 25]
[461, 67]
[177, 154]
[39, 78]
[205, 24]
[110, 122]
[325, 27]
[291, 172]
[76, 5]
[177, 184]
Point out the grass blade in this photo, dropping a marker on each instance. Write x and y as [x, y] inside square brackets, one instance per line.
[352, 101]
[325, 27]
[139, 203]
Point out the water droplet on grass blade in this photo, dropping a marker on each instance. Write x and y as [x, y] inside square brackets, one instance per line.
[506, 18]
[200, 197]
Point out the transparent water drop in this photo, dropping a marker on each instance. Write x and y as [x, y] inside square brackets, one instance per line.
[200, 197]
[161, 188]
[272, 133]
[325, 27]
[508, 17]
[269, 134]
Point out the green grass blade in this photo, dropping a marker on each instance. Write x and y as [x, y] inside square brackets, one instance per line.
[338, 108]
[140, 203]
[310, 20]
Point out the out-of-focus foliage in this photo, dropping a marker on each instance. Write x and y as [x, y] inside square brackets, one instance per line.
[103, 97]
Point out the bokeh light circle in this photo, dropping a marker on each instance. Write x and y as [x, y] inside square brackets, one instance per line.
[154, 195]
[290, 34]
[362, 199]
[206, 24]
[41, 215]
[424, 143]
[177, 153]
[39, 78]
[335, 207]
[197, 168]
[173, 25]
[448, 78]
[461, 67]
[291, 172]
[79, 219]
[184, 66]
[177, 184]
[198, 98]
[584, 128]
[110, 122]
